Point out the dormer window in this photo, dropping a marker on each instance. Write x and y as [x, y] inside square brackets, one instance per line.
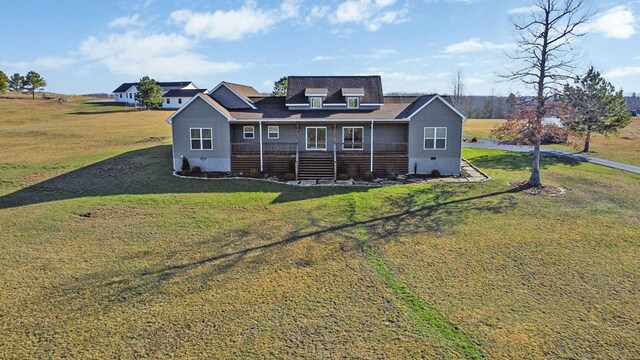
[316, 102]
[353, 102]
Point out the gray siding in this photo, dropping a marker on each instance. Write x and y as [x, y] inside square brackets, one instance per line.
[200, 114]
[436, 114]
[228, 99]
[383, 133]
[287, 133]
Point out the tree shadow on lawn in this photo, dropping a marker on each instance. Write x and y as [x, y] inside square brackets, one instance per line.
[149, 171]
[440, 210]
[518, 161]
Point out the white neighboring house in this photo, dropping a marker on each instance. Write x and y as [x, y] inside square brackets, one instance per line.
[126, 93]
[174, 99]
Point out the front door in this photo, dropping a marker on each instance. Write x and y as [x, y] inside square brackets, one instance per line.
[316, 138]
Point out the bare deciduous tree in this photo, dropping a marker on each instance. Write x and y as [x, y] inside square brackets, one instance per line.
[457, 89]
[545, 59]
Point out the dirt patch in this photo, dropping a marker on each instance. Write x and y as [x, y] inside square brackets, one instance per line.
[544, 190]
[152, 139]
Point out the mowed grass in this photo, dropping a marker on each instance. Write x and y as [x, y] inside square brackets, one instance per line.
[108, 255]
[623, 146]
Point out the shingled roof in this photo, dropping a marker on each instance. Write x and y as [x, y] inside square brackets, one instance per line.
[163, 84]
[273, 107]
[124, 87]
[183, 93]
[372, 86]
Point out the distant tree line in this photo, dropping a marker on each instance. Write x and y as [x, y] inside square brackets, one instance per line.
[29, 83]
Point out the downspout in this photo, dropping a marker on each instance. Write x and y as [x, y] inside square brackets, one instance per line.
[335, 157]
[261, 159]
[371, 164]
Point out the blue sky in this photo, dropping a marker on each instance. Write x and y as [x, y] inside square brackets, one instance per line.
[93, 46]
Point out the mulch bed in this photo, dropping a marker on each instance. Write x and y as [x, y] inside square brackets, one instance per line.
[544, 190]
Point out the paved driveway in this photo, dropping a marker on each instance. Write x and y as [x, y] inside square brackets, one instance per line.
[490, 144]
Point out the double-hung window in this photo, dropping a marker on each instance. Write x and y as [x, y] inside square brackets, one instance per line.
[201, 139]
[352, 138]
[168, 101]
[316, 102]
[179, 100]
[273, 132]
[435, 138]
[248, 132]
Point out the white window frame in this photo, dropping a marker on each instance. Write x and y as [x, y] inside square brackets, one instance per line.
[245, 132]
[277, 132]
[315, 98]
[201, 138]
[435, 138]
[357, 102]
[306, 138]
[361, 148]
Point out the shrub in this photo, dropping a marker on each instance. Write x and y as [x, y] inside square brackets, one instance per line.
[474, 139]
[435, 174]
[343, 177]
[391, 177]
[196, 170]
[289, 176]
[255, 173]
[291, 167]
[341, 167]
[554, 134]
[185, 165]
[368, 176]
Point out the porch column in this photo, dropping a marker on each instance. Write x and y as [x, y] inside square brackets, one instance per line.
[260, 134]
[371, 164]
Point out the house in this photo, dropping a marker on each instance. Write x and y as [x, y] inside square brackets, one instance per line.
[174, 99]
[322, 125]
[126, 93]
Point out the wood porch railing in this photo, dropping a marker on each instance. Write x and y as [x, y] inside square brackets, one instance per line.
[293, 148]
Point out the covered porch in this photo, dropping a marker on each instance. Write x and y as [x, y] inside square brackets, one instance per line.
[321, 150]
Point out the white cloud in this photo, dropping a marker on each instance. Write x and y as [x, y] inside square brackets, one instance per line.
[381, 53]
[617, 23]
[474, 81]
[325, 58]
[47, 62]
[317, 12]
[126, 21]
[234, 24]
[524, 10]
[622, 72]
[373, 14]
[162, 56]
[475, 45]
[411, 61]
[406, 76]
[290, 9]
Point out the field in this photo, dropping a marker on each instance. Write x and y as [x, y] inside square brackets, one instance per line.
[623, 147]
[104, 254]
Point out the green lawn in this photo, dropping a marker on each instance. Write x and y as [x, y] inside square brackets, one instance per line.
[104, 254]
[623, 146]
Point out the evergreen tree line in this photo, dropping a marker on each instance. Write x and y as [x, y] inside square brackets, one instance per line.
[29, 83]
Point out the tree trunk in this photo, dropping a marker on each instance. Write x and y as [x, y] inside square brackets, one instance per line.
[587, 141]
[33, 95]
[534, 179]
